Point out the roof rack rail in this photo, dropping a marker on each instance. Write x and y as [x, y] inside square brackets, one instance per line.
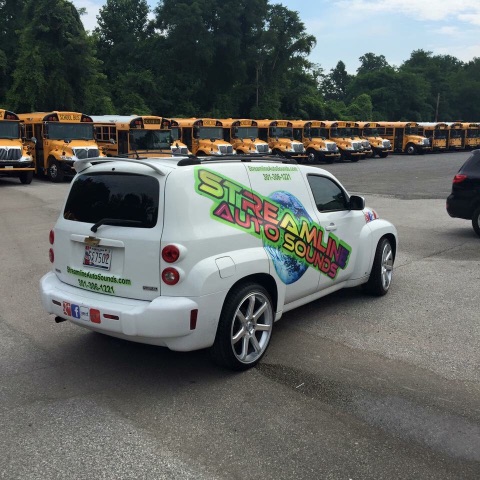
[238, 158]
[81, 165]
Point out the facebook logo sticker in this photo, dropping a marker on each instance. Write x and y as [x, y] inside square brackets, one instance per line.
[75, 311]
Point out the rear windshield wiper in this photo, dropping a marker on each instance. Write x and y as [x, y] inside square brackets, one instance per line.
[115, 221]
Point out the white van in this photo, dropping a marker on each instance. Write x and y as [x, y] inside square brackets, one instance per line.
[193, 253]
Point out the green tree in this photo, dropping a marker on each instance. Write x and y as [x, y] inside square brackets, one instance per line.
[56, 62]
[371, 63]
[335, 84]
[11, 20]
[123, 38]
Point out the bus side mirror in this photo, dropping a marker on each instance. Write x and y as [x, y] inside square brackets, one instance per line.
[34, 140]
[112, 141]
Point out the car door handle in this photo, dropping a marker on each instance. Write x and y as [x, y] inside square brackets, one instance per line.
[331, 227]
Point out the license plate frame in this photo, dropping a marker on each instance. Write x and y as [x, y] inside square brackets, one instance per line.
[97, 257]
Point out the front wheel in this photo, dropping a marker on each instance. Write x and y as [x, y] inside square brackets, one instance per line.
[410, 149]
[476, 221]
[382, 269]
[311, 157]
[245, 327]
[354, 158]
[26, 177]
[54, 171]
[383, 154]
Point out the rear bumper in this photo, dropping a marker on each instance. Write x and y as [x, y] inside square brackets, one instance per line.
[459, 207]
[165, 321]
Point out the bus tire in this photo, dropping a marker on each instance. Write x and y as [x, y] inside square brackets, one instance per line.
[26, 177]
[354, 158]
[410, 150]
[383, 154]
[311, 157]
[54, 172]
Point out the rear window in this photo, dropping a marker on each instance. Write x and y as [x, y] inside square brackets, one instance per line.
[472, 165]
[114, 195]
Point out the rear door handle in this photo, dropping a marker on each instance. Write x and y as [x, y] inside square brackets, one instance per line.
[331, 227]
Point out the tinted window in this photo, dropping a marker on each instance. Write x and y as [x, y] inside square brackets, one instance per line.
[328, 195]
[123, 196]
[472, 165]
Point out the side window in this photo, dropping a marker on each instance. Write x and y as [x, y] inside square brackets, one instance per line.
[328, 195]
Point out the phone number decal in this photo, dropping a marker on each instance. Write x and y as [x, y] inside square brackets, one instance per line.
[96, 287]
[277, 176]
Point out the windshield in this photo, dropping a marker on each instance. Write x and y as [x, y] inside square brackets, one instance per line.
[373, 132]
[455, 134]
[473, 133]
[344, 132]
[440, 134]
[317, 133]
[175, 132]
[282, 132]
[149, 139]
[70, 131]
[245, 132]
[114, 195]
[210, 132]
[411, 130]
[9, 130]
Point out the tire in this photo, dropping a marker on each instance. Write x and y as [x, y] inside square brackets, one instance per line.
[245, 327]
[329, 160]
[476, 221]
[382, 269]
[311, 157]
[354, 158]
[410, 150]
[26, 177]
[54, 171]
[383, 154]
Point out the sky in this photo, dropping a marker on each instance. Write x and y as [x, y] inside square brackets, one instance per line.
[347, 29]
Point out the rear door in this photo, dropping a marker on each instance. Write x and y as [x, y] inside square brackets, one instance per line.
[108, 240]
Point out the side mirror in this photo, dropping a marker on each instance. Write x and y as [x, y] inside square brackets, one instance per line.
[357, 202]
[34, 140]
[112, 141]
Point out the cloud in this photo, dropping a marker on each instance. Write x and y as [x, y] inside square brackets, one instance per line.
[467, 11]
[92, 7]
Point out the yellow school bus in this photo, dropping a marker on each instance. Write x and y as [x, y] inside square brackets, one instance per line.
[436, 132]
[242, 134]
[472, 134]
[136, 135]
[204, 136]
[374, 133]
[15, 156]
[345, 135]
[59, 139]
[314, 139]
[456, 136]
[279, 136]
[405, 137]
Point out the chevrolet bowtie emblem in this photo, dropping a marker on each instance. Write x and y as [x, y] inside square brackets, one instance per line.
[92, 241]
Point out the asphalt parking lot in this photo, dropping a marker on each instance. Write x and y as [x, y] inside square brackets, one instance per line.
[352, 387]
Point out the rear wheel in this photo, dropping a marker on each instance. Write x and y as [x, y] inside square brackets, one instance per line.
[54, 171]
[476, 221]
[245, 327]
[26, 177]
[382, 269]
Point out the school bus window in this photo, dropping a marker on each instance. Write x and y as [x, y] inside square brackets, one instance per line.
[64, 131]
[9, 130]
[150, 139]
[411, 131]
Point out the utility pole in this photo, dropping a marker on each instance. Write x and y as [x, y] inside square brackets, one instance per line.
[436, 110]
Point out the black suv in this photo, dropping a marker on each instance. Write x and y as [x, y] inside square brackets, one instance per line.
[464, 201]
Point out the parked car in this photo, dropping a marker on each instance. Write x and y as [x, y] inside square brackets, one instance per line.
[195, 253]
[464, 201]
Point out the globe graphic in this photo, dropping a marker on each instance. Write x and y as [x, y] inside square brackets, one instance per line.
[288, 268]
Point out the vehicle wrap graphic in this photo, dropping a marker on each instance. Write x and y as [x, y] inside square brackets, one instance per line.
[293, 240]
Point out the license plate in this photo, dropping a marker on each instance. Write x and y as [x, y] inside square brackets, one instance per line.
[97, 257]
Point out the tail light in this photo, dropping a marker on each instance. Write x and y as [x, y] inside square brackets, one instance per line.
[459, 178]
[51, 239]
[170, 253]
[170, 276]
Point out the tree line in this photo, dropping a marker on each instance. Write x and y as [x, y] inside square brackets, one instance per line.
[215, 58]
